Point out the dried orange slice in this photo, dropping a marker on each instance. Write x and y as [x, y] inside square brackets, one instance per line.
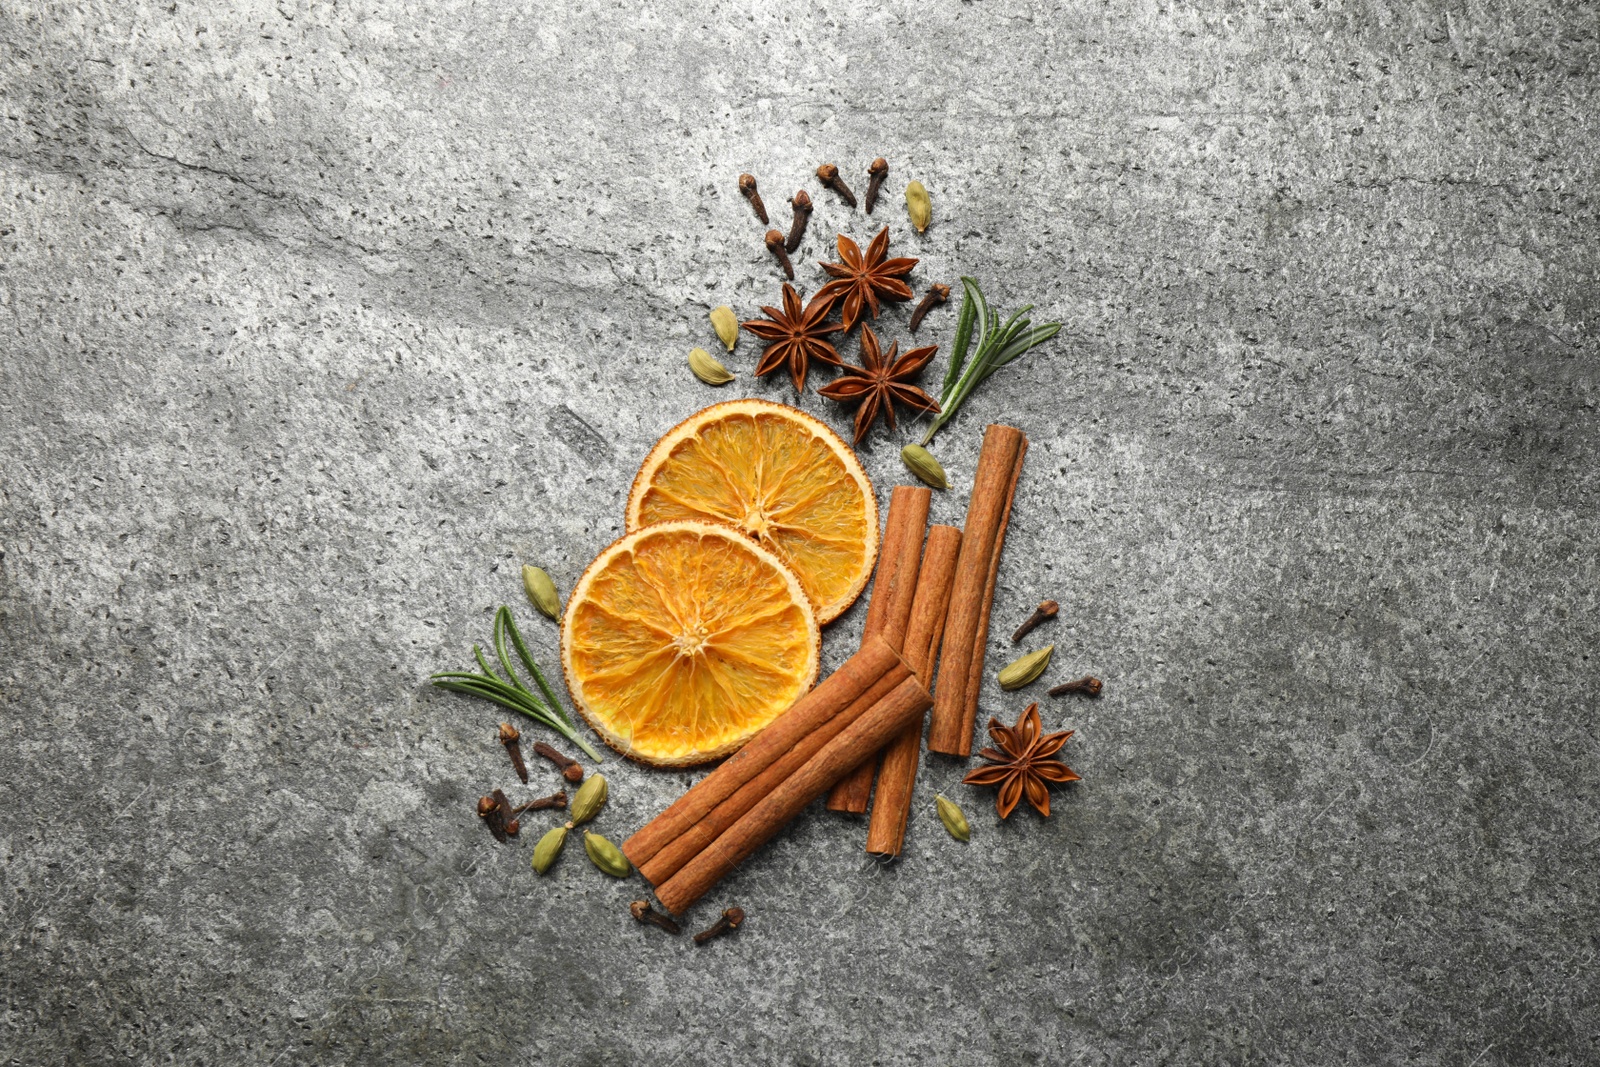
[779, 475]
[682, 640]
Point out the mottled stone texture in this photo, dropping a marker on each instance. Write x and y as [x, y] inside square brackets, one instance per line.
[317, 320]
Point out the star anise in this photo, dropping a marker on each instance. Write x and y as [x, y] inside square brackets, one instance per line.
[866, 279]
[879, 381]
[795, 337]
[1027, 766]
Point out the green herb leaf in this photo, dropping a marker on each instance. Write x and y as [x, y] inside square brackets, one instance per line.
[999, 344]
[513, 695]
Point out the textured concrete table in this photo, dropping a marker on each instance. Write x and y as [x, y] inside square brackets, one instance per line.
[317, 321]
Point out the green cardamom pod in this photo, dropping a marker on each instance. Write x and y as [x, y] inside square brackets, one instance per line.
[918, 206]
[606, 856]
[707, 369]
[1024, 669]
[924, 466]
[591, 797]
[952, 818]
[542, 591]
[548, 848]
[727, 327]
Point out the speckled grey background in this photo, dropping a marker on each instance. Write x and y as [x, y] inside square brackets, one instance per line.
[316, 321]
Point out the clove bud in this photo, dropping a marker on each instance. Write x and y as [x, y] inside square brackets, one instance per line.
[511, 737]
[875, 177]
[644, 913]
[801, 202]
[775, 245]
[729, 922]
[1088, 686]
[495, 811]
[747, 189]
[554, 800]
[938, 293]
[1046, 610]
[828, 175]
[571, 769]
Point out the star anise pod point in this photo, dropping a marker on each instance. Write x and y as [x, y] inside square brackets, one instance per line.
[865, 278]
[795, 336]
[1024, 765]
[882, 378]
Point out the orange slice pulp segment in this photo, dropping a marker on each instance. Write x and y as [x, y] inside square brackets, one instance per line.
[777, 474]
[683, 639]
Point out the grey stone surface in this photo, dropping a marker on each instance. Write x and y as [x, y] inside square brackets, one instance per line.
[316, 321]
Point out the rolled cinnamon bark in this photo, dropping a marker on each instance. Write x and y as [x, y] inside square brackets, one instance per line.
[667, 862]
[837, 758]
[835, 694]
[897, 772]
[889, 611]
[966, 632]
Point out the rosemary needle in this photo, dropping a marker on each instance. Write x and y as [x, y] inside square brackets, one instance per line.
[514, 694]
[998, 344]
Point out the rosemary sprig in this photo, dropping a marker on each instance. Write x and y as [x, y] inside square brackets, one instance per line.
[514, 695]
[998, 344]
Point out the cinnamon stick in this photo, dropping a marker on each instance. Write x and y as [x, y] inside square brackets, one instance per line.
[897, 773]
[837, 758]
[889, 611]
[835, 694]
[966, 633]
[667, 862]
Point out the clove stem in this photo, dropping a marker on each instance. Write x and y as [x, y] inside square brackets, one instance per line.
[828, 174]
[801, 202]
[644, 913]
[511, 737]
[729, 922]
[775, 245]
[554, 800]
[1088, 685]
[1046, 610]
[875, 178]
[571, 769]
[937, 294]
[747, 188]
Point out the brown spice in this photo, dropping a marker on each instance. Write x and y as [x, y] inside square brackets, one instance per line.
[719, 800]
[1027, 766]
[876, 727]
[644, 913]
[966, 632]
[758, 786]
[775, 246]
[897, 773]
[489, 811]
[495, 811]
[1046, 610]
[571, 769]
[510, 737]
[795, 336]
[747, 188]
[888, 612]
[727, 924]
[880, 381]
[937, 294]
[876, 173]
[801, 203]
[864, 279]
[554, 800]
[1088, 685]
[828, 175]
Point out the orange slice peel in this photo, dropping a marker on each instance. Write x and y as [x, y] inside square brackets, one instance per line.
[780, 476]
[682, 640]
